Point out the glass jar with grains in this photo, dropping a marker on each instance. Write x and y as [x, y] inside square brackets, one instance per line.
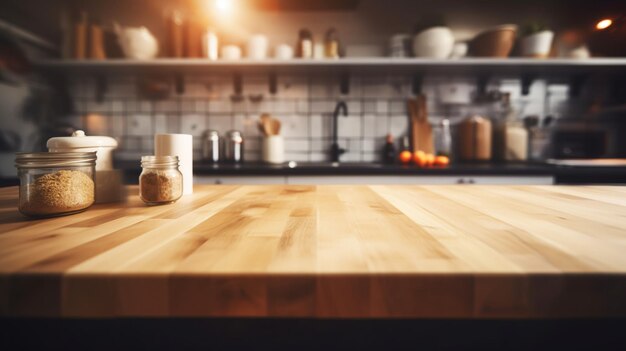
[160, 181]
[55, 183]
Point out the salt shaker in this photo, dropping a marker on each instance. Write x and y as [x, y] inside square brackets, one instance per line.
[233, 148]
[211, 146]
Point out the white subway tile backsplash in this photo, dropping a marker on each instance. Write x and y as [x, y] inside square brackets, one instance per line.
[350, 157]
[304, 105]
[382, 125]
[369, 107]
[355, 145]
[349, 126]
[132, 143]
[318, 156]
[167, 106]
[96, 106]
[369, 126]
[139, 124]
[219, 106]
[320, 145]
[116, 125]
[382, 107]
[371, 157]
[294, 125]
[316, 125]
[294, 88]
[399, 125]
[297, 145]
[252, 156]
[160, 123]
[247, 124]
[354, 107]
[145, 106]
[117, 106]
[298, 157]
[368, 145]
[147, 145]
[377, 91]
[193, 124]
[220, 123]
[398, 106]
[173, 123]
[320, 106]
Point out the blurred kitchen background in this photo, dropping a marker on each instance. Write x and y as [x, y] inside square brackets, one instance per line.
[131, 69]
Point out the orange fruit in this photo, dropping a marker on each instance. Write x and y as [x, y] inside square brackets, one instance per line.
[442, 160]
[430, 160]
[419, 157]
[405, 156]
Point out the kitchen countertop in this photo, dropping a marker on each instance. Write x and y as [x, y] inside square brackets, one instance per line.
[324, 252]
[562, 174]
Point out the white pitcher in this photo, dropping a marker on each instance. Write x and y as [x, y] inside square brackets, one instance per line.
[137, 42]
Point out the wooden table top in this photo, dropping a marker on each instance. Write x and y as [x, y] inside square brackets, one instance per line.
[324, 251]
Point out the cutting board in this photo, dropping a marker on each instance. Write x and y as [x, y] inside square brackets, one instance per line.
[421, 131]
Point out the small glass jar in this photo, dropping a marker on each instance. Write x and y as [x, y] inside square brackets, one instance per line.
[55, 183]
[160, 182]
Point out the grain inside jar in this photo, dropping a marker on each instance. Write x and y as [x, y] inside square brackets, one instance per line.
[160, 181]
[55, 183]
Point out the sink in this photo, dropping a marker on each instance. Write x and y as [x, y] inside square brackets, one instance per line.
[293, 164]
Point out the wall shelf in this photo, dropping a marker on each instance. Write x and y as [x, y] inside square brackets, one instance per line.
[570, 71]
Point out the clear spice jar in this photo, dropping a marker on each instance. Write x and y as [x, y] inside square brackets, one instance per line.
[55, 183]
[160, 182]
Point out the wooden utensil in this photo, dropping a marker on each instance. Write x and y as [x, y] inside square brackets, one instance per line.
[275, 126]
[421, 130]
[265, 124]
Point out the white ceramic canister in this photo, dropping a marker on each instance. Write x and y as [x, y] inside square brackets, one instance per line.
[273, 149]
[79, 142]
[109, 182]
[180, 145]
[257, 47]
[283, 52]
[230, 52]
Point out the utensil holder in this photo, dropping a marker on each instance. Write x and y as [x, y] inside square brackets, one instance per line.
[273, 149]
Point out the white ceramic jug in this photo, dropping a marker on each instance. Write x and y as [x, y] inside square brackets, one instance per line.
[137, 42]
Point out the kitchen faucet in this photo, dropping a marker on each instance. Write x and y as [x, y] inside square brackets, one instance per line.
[335, 150]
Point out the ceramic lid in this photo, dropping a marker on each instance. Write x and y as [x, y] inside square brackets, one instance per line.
[80, 140]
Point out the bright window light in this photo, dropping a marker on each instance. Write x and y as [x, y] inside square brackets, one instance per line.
[224, 6]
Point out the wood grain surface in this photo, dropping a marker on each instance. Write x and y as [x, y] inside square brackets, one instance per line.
[324, 252]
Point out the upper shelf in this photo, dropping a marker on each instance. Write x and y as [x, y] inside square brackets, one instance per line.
[473, 66]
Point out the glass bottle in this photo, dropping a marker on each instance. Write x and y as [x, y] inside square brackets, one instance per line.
[160, 182]
[512, 136]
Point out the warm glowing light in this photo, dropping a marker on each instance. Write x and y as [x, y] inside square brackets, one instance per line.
[224, 6]
[604, 24]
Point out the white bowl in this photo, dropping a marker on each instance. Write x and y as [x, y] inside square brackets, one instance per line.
[435, 42]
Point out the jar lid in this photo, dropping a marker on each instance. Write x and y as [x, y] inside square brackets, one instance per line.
[159, 161]
[54, 159]
[80, 140]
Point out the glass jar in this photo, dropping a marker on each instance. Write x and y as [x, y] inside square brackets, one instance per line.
[55, 183]
[160, 182]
